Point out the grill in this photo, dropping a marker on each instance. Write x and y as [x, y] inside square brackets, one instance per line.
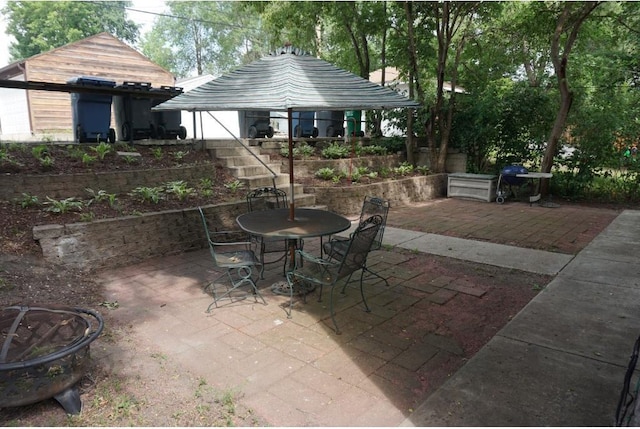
[45, 352]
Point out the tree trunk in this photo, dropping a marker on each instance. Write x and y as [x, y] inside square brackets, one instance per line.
[571, 23]
[414, 80]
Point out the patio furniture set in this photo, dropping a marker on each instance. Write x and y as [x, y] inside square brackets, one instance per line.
[268, 227]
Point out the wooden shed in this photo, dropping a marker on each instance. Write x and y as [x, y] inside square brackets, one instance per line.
[43, 115]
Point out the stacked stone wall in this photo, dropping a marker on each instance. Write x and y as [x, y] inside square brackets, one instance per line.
[59, 186]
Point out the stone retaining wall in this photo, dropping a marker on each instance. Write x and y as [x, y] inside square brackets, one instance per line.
[131, 239]
[306, 168]
[127, 240]
[59, 186]
[348, 200]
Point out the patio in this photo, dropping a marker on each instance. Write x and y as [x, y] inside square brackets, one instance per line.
[297, 372]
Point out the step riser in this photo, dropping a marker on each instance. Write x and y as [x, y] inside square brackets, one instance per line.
[242, 161]
[233, 151]
[258, 182]
[254, 170]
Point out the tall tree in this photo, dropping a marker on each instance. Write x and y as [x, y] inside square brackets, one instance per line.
[452, 24]
[198, 37]
[39, 26]
[570, 17]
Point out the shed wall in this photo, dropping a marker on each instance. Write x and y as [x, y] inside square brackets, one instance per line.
[101, 56]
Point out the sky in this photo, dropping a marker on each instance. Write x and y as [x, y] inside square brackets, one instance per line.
[145, 19]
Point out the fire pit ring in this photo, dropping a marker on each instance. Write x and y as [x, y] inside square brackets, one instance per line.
[44, 352]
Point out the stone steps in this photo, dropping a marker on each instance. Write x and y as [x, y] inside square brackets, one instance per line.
[250, 169]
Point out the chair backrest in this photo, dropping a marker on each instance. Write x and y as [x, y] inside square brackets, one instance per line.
[375, 206]
[206, 231]
[360, 243]
[266, 198]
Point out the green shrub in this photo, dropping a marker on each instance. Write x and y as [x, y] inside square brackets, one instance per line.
[63, 206]
[102, 150]
[336, 151]
[325, 173]
[300, 150]
[180, 189]
[152, 194]
[371, 150]
[28, 200]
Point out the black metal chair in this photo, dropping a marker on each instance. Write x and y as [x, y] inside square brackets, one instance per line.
[312, 271]
[268, 198]
[231, 251]
[336, 247]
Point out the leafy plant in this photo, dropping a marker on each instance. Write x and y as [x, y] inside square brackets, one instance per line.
[234, 186]
[148, 194]
[87, 217]
[180, 189]
[63, 206]
[423, 169]
[47, 162]
[206, 182]
[300, 150]
[40, 151]
[28, 200]
[131, 159]
[157, 153]
[88, 159]
[336, 151]
[325, 173]
[102, 150]
[100, 196]
[403, 169]
[180, 155]
[371, 150]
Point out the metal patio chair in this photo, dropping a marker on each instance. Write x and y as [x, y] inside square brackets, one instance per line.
[310, 271]
[267, 198]
[336, 247]
[232, 253]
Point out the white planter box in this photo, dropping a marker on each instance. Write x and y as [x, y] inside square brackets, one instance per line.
[474, 186]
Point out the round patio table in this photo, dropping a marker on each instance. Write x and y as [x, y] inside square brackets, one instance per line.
[305, 224]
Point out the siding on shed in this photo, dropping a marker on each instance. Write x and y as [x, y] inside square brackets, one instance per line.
[14, 112]
[102, 55]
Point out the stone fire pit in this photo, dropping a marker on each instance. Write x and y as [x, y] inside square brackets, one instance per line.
[44, 353]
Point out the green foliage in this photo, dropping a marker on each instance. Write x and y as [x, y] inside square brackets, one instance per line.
[40, 151]
[157, 153]
[179, 155]
[423, 169]
[336, 151]
[403, 169]
[100, 196]
[302, 150]
[88, 159]
[47, 162]
[151, 194]
[102, 150]
[131, 159]
[63, 206]
[325, 173]
[371, 150]
[28, 200]
[234, 186]
[180, 189]
[39, 26]
[215, 41]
